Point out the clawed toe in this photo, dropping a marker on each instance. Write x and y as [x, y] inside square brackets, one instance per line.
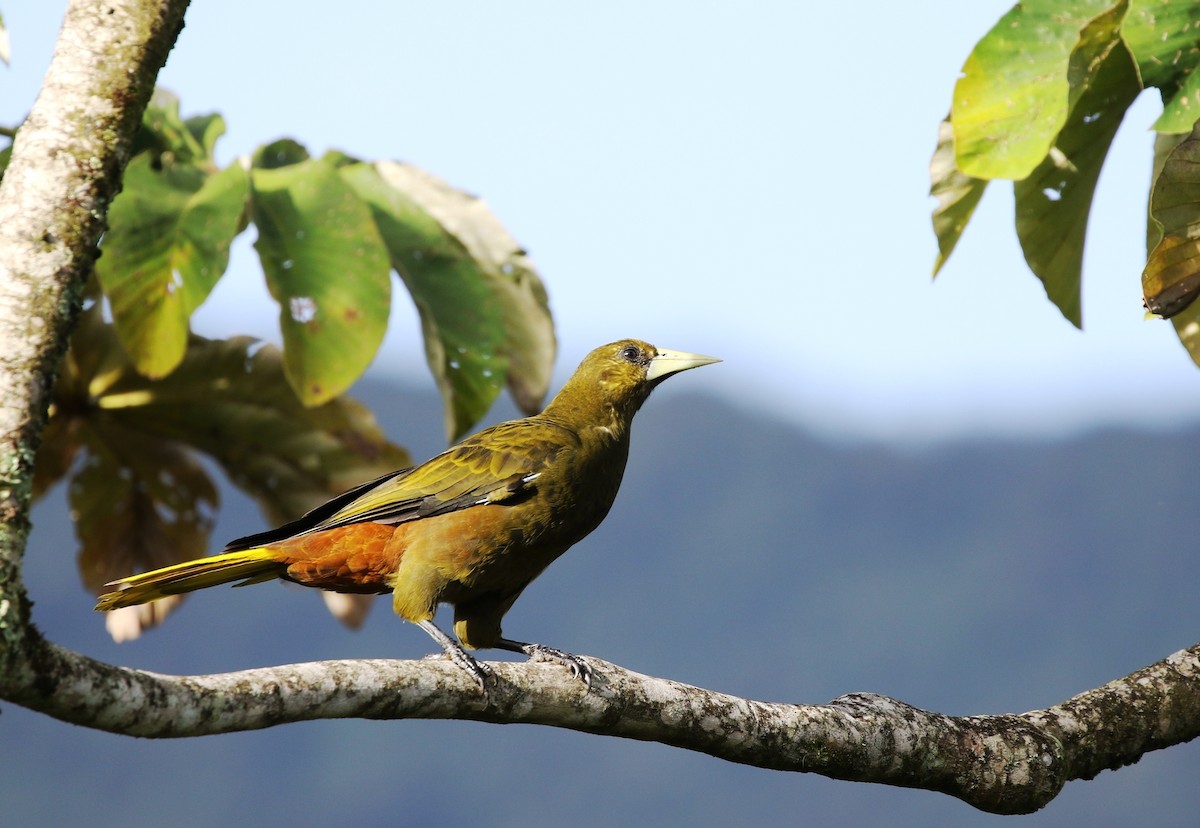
[578, 667]
[454, 651]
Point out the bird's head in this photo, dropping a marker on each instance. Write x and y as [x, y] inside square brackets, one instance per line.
[619, 376]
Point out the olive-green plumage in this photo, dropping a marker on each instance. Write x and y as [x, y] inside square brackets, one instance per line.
[471, 527]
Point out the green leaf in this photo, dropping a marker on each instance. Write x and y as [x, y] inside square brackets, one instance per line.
[1187, 327]
[1012, 98]
[529, 331]
[1163, 39]
[1181, 109]
[1053, 202]
[281, 153]
[957, 195]
[529, 342]
[164, 133]
[461, 320]
[1164, 144]
[327, 268]
[206, 129]
[1171, 280]
[168, 243]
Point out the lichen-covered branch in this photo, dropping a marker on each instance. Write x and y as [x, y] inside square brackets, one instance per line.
[1002, 763]
[65, 168]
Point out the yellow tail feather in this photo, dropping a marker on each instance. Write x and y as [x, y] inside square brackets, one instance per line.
[254, 565]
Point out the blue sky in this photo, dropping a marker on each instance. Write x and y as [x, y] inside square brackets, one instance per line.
[744, 180]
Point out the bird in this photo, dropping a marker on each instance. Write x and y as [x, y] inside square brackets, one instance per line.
[471, 527]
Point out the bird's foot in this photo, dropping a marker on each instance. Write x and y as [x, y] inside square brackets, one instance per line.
[454, 651]
[540, 652]
[478, 670]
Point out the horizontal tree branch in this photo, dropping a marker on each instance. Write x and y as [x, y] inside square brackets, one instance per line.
[997, 763]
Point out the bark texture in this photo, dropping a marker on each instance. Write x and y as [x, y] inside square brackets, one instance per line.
[1005, 764]
[65, 170]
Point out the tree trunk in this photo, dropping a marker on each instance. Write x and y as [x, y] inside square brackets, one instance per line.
[65, 169]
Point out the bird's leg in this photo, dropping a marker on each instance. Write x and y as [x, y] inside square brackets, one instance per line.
[540, 652]
[457, 654]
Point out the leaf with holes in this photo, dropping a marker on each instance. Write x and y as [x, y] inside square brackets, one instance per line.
[139, 503]
[1162, 37]
[327, 268]
[1053, 203]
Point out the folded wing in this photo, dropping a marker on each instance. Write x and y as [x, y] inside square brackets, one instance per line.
[498, 465]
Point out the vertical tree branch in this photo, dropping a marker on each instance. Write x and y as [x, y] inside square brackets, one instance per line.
[65, 169]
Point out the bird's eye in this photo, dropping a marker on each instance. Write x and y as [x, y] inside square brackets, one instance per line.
[631, 353]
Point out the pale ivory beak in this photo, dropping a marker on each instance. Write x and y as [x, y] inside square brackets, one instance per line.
[666, 363]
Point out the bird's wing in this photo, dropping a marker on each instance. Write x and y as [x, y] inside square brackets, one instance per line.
[497, 465]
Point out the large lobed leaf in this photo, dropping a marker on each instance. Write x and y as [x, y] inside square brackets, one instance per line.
[517, 289]
[329, 231]
[1040, 100]
[231, 401]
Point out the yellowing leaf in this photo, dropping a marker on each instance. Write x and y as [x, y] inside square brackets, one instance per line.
[957, 195]
[1171, 280]
[1013, 96]
[167, 245]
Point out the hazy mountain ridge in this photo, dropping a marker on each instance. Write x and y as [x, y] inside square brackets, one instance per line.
[742, 554]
